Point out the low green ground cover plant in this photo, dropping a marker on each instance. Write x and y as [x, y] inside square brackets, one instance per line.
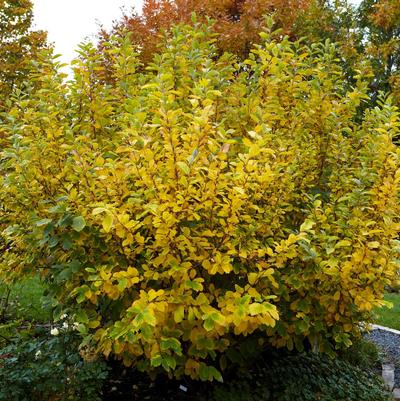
[354, 375]
[40, 360]
[363, 354]
[45, 364]
[305, 377]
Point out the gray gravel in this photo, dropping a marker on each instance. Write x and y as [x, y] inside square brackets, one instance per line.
[389, 344]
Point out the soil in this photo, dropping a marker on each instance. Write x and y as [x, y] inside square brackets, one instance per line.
[127, 384]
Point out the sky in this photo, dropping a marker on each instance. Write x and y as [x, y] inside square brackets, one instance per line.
[70, 22]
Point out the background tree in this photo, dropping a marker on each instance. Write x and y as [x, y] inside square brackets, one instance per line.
[380, 22]
[18, 44]
[337, 21]
[238, 22]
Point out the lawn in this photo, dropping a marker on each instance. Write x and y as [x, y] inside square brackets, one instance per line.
[25, 300]
[390, 317]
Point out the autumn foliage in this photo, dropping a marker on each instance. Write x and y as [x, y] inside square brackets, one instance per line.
[380, 19]
[202, 201]
[238, 22]
[19, 45]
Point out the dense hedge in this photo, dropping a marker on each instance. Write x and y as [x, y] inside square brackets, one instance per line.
[203, 200]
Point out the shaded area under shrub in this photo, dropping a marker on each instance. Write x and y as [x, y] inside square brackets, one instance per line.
[276, 376]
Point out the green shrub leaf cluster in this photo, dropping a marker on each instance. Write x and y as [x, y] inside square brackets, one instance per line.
[37, 366]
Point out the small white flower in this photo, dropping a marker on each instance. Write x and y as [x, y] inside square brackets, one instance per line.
[54, 332]
[64, 316]
[75, 326]
[65, 325]
[37, 354]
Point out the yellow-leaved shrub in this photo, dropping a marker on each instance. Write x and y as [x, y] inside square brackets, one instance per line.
[203, 200]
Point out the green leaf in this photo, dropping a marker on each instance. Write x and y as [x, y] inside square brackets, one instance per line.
[78, 223]
[208, 324]
[147, 332]
[81, 316]
[149, 317]
[58, 209]
[301, 326]
[203, 372]
[183, 167]
[122, 284]
[170, 361]
[194, 285]
[205, 343]
[82, 329]
[171, 343]
[66, 243]
[214, 373]
[156, 361]
[43, 222]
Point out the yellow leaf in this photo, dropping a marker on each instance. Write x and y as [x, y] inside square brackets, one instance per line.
[252, 277]
[307, 225]
[107, 222]
[179, 314]
[93, 324]
[256, 309]
[105, 275]
[343, 243]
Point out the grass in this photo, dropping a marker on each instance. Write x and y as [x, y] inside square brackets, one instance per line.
[390, 317]
[26, 300]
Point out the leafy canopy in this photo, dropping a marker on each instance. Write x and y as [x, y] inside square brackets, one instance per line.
[381, 23]
[19, 45]
[202, 200]
[237, 22]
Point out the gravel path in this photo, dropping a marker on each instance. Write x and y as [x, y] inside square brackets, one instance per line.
[389, 344]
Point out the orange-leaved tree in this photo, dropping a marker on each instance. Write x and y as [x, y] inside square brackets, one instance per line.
[238, 22]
